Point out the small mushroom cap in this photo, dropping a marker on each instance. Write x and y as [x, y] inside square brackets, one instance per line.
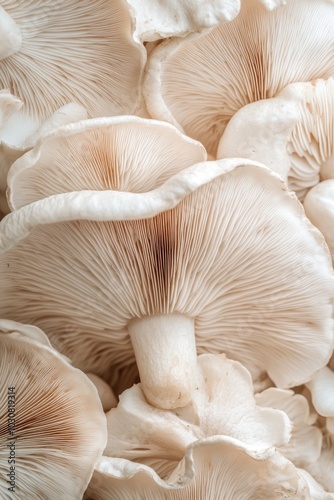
[74, 51]
[140, 257]
[217, 467]
[199, 83]
[321, 387]
[108, 398]
[124, 153]
[261, 130]
[60, 427]
[304, 447]
[319, 208]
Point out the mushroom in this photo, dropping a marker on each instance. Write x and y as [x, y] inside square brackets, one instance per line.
[291, 133]
[311, 146]
[159, 438]
[123, 153]
[261, 130]
[198, 83]
[321, 387]
[96, 268]
[305, 444]
[72, 51]
[319, 208]
[51, 419]
[155, 20]
[216, 467]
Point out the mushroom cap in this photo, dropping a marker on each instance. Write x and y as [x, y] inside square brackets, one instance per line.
[216, 467]
[123, 153]
[156, 20]
[220, 256]
[81, 51]
[60, 427]
[261, 130]
[311, 145]
[158, 438]
[321, 387]
[304, 447]
[199, 83]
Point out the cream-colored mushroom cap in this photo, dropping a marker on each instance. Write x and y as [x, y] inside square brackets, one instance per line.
[123, 153]
[73, 51]
[58, 428]
[304, 447]
[156, 20]
[216, 467]
[311, 145]
[94, 268]
[199, 83]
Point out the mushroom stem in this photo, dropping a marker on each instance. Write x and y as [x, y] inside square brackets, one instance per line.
[165, 350]
[10, 35]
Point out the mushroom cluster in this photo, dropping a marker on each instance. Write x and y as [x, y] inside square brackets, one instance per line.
[167, 250]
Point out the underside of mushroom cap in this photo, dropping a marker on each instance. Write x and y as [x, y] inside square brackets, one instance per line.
[122, 153]
[200, 82]
[217, 467]
[59, 428]
[220, 257]
[311, 145]
[94, 62]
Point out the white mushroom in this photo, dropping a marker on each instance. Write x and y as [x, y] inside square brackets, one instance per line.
[162, 19]
[199, 83]
[141, 261]
[305, 444]
[53, 429]
[72, 51]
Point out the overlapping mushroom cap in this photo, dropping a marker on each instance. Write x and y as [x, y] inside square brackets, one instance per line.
[57, 428]
[94, 62]
[217, 467]
[97, 266]
[200, 83]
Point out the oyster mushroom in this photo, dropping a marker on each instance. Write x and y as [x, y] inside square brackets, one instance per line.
[139, 266]
[57, 428]
[121, 153]
[72, 51]
[200, 82]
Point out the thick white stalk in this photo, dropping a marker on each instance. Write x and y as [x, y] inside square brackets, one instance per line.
[165, 350]
[10, 35]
